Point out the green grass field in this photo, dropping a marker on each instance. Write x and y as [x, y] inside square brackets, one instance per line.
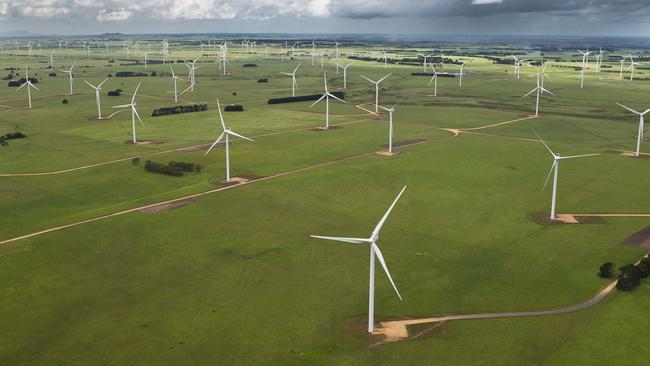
[234, 278]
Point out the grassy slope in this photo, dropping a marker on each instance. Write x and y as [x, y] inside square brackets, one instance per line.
[177, 287]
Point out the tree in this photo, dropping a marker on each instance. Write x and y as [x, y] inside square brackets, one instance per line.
[606, 270]
[629, 278]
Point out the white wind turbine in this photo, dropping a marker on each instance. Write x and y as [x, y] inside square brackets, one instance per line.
[385, 58]
[374, 252]
[632, 64]
[460, 81]
[52, 60]
[69, 72]
[345, 74]
[134, 113]
[599, 60]
[294, 84]
[377, 89]
[620, 76]
[29, 86]
[313, 51]
[554, 171]
[641, 123]
[517, 66]
[543, 76]
[192, 68]
[174, 79]
[424, 60]
[227, 132]
[585, 61]
[539, 89]
[98, 90]
[146, 59]
[434, 79]
[390, 126]
[327, 96]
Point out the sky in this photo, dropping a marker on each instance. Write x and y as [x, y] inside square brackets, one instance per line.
[466, 17]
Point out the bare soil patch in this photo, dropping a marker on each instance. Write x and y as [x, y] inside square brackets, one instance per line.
[640, 238]
[318, 129]
[543, 218]
[196, 148]
[167, 206]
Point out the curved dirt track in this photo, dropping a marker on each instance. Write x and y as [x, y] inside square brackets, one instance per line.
[397, 330]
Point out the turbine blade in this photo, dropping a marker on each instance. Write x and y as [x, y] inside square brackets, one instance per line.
[546, 90]
[238, 135]
[346, 240]
[137, 115]
[135, 92]
[216, 142]
[548, 177]
[578, 156]
[337, 98]
[380, 256]
[543, 142]
[383, 219]
[319, 99]
[531, 92]
[629, 109]
[372, 81]
[122, 106]
[100, 84]
[382, 79]
[223, 124]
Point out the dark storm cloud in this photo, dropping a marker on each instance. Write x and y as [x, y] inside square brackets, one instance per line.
[482, 8]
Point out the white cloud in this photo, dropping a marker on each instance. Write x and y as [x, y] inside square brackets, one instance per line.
[116, 15]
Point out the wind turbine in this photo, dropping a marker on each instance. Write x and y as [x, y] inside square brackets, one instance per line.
[327, 96]
[460, 81]
[585, 60]
[174, 79]
[69, 72]
[377, 89]
[227, 132]
[345, 74]
[52, 60]
[146, 59]
[385, 58]
[543, 76]
[374, 252]
[134, 113]
[632, 64]
[517, 66]
[434, 79]
[599, 59]
[294, 84]
[554, 170]
[620, 76]
[390, 126]
[192, 67]
[641, 123]
[29, 86]
[98, 90]
[539, 89]
[424, 61]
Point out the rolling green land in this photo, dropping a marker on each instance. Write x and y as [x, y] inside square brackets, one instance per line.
[233, 278]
